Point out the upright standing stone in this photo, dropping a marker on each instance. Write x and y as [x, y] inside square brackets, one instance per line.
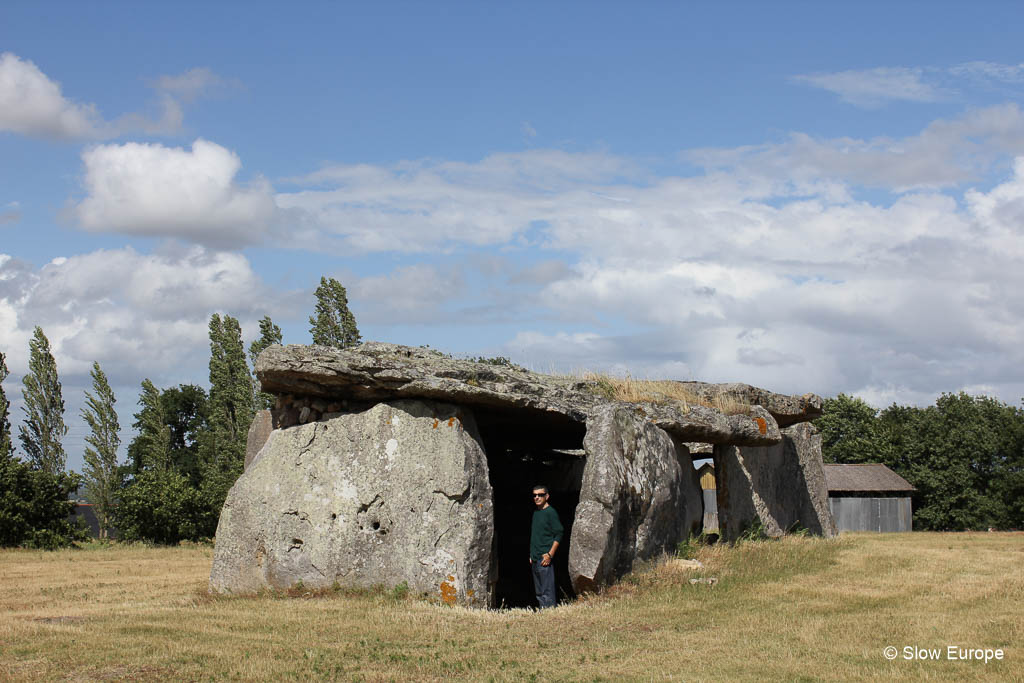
[634, 498]
[259, 432]
[398, 493]
[778, 487]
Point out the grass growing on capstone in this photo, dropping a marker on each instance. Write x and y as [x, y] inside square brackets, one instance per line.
[632, 390]
[795, 609]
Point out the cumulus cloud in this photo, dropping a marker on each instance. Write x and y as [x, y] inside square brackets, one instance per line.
[139, 315]
[873, 87]
[153, 190]
[999, 214]
[32, 104]
[772, 266]
[142, 314]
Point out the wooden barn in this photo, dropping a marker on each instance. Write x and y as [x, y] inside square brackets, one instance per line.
[868, 497]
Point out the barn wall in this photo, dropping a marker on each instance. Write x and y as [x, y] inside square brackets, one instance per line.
[871, 514]
[710, 511]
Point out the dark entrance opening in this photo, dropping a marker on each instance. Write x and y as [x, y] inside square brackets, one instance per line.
[524, 450]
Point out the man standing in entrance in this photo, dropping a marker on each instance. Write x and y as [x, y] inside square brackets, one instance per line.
[545, 535]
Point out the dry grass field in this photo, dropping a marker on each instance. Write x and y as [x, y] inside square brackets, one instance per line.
[796, 609]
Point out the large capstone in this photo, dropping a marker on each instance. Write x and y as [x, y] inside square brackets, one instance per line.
[398, 493]
[775, 488]
[636, 500]
[375, 371]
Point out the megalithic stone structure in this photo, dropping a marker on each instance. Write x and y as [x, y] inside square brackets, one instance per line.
[385, 464]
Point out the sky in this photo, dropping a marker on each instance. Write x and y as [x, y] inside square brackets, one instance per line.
[807, 197]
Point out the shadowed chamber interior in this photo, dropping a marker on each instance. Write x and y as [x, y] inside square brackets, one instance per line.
[521, 452]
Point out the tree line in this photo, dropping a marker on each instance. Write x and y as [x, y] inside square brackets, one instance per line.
[964, 455]
[187, 451]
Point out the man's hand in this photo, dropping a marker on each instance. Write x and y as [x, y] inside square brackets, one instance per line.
[545, 560]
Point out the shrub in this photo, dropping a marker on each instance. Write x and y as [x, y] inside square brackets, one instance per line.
[162, 507]
[35, 510]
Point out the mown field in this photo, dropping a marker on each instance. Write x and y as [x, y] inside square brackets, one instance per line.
[797, 609]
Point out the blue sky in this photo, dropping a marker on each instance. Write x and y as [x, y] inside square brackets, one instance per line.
[802, 196]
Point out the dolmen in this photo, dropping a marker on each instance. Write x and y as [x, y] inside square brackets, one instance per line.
[387, 465]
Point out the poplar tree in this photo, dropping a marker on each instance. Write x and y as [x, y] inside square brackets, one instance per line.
[231, 401]
[150, 450]
[101, 473]
[269, 334]
[6, 451]
[43, 427]
[230, 410]
[333, 325]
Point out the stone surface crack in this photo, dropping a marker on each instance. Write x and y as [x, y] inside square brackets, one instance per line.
[303, 516]
[365, 507]
[458, 498]
[312, 438]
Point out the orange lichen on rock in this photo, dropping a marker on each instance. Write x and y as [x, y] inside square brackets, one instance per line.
[448, 592]
[762, 426]
[451, 421]
[435, 424]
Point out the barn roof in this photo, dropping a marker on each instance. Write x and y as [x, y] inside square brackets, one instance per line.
[865, 477]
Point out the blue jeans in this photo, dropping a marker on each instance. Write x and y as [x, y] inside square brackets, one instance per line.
[544, 584]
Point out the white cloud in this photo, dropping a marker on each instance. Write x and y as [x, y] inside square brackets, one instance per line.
[945, 153]
[32, 104]
[143, 314]
[1000, 214]
[138, 315]
[873, 87]
[153, 190]
[428, 206]
[992, 71]
[772, 267]
[768, 268]
[193, 83]
[567, 201]
[417, 294]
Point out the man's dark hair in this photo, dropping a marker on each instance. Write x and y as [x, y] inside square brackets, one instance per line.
[540, 486]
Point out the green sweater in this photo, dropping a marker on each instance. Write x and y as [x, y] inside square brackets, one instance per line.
[545, 530]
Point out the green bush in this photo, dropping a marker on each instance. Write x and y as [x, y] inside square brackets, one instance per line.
[163, 507]
[34, 507]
